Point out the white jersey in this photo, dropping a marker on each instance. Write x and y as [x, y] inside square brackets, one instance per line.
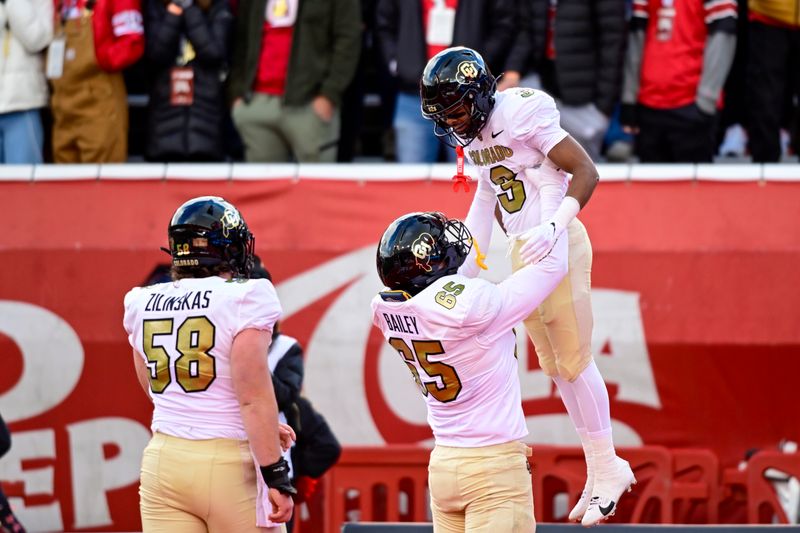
[457, 338]
[184, 331]
[513, 170]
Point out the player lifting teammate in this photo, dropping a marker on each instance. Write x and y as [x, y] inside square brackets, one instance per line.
[456, 335]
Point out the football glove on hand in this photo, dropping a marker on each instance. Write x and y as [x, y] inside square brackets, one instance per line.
[539, 242]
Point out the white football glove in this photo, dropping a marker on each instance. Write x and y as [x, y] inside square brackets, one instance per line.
[539, 242]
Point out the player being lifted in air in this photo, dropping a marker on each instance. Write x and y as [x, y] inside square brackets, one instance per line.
[524, 159]
[456, 335]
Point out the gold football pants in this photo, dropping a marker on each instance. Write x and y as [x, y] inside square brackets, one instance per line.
[561, 327]
[481, 490]
[198, 486]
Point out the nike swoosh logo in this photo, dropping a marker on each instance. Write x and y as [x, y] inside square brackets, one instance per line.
[607, 509]
[496, 134]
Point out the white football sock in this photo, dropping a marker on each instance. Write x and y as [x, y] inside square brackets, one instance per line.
[589, 395]
[574, 411]
[603, 454]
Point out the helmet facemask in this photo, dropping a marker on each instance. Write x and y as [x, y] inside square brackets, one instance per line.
[461, 122]
[457, 93]
[458, 237]
[419, 248]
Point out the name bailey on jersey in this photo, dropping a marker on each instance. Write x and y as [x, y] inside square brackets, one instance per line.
[189, 301]
[401, 323]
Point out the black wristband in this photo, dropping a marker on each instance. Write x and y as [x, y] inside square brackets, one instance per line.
[276, 476]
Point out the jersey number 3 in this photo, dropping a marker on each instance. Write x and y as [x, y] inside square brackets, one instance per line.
[451, 385]
[195, 368]
[513, 195]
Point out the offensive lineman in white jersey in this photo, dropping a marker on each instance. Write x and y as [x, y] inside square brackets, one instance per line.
[214, 462]
[456, 335]
[523, 157]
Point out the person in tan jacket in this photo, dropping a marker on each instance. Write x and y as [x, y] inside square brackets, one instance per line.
[95, 40]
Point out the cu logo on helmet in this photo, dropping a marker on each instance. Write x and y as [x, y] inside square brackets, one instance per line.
[230, 220]
[468, 70]
[421, 248]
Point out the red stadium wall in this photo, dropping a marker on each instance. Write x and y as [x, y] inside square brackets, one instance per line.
[697, 327]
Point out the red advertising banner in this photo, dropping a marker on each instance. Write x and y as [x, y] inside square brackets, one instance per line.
[695, 296]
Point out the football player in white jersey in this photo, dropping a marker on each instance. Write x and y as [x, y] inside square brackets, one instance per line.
[455, 334]
[524, 159]
[214, 462]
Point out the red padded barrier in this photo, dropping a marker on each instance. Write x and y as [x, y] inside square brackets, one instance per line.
[695, 493]
[762, 501]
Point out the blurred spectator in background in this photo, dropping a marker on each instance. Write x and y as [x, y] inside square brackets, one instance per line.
[352, 107]
[679, 54]
[731, 130]
[773, 75]
[26, 28]
[575, 47]
[95, 40]
[8, 522]
[186, 41]
[410, 32]
[316, 450]
[292, 61]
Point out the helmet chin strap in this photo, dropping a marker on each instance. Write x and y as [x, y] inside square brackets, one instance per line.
[460, 179]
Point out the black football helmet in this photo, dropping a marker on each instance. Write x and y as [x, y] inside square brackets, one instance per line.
[457, 94]
[419, 248]
[207, 231]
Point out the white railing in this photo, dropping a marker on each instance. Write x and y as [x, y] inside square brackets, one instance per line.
[377, 172]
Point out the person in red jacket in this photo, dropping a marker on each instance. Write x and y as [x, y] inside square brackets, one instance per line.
[679, 55]
[95, 40]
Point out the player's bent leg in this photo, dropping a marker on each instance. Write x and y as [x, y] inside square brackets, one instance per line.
[162, 510]
[498, 490]
[570, 331]
[447, 504]
[568, 321]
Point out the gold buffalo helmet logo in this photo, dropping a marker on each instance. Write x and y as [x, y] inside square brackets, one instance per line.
[421, 248]
[468, 69]
[431, 109]
[231, 219]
